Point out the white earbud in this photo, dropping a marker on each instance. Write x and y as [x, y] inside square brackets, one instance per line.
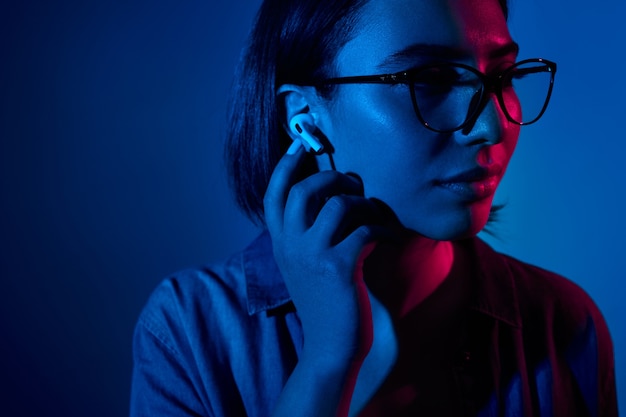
[301, 125]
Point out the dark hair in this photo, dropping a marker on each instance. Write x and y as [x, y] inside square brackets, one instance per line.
[291, 42]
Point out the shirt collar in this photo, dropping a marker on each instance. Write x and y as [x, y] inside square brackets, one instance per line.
[496, 295]
[265, 285]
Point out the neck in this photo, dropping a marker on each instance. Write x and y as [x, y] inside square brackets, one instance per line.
[405, 272]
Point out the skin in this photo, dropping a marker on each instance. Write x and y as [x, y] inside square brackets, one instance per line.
[376, 135]
[321, 225]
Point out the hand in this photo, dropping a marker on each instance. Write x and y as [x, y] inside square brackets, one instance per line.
[319, 227]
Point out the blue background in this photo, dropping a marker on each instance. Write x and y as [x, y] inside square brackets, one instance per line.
[111, 176]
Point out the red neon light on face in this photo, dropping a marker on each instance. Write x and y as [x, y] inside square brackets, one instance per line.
[483, 30]
[432, 181]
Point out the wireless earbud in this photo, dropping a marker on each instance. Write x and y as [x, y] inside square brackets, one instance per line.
[301, 125]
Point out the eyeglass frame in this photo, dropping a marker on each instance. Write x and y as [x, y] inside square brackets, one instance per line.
[491, 83]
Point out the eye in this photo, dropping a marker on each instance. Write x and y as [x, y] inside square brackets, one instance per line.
[443, 78]
[436, 76]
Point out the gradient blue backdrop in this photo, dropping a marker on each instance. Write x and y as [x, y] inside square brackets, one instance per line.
[111, 131]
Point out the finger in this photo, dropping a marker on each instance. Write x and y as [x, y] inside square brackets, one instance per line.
[283, 177]
[342, 214]
[307, 197]
[355, 242]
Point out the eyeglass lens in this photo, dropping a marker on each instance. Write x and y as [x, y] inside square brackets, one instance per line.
[446, 96]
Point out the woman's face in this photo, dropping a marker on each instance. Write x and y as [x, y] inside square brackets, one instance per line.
[439, 185]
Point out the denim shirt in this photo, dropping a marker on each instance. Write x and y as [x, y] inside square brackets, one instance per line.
[222, 341]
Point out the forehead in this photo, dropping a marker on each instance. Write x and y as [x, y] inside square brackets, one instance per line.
[386, 27]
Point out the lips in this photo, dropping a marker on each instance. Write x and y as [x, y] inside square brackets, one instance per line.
[473, 184]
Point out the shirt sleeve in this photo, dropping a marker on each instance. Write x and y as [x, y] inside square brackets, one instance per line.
[589, 353]
[606, 372]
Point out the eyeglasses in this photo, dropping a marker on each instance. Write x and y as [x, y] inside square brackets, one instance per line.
[450, 96]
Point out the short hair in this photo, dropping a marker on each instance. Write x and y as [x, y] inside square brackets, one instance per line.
[291, 42]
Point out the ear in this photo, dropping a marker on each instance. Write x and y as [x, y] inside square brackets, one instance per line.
[294, 100]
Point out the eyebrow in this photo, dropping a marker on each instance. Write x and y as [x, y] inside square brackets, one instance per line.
[443, 52]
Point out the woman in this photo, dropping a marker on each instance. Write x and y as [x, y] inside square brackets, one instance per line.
[369, 293]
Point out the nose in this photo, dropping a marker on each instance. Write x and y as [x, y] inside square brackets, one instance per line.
[485, 126]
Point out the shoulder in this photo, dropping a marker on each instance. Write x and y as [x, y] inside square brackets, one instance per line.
[218, 334]
[537, 290]
[209, 284]
[212, 305]
[552, 309]
[546, 305]
[558, 315]
[549, 293]
[211, 296]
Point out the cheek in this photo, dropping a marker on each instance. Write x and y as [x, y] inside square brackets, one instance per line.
[512, 103]
[376, 134]
[379, 138]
